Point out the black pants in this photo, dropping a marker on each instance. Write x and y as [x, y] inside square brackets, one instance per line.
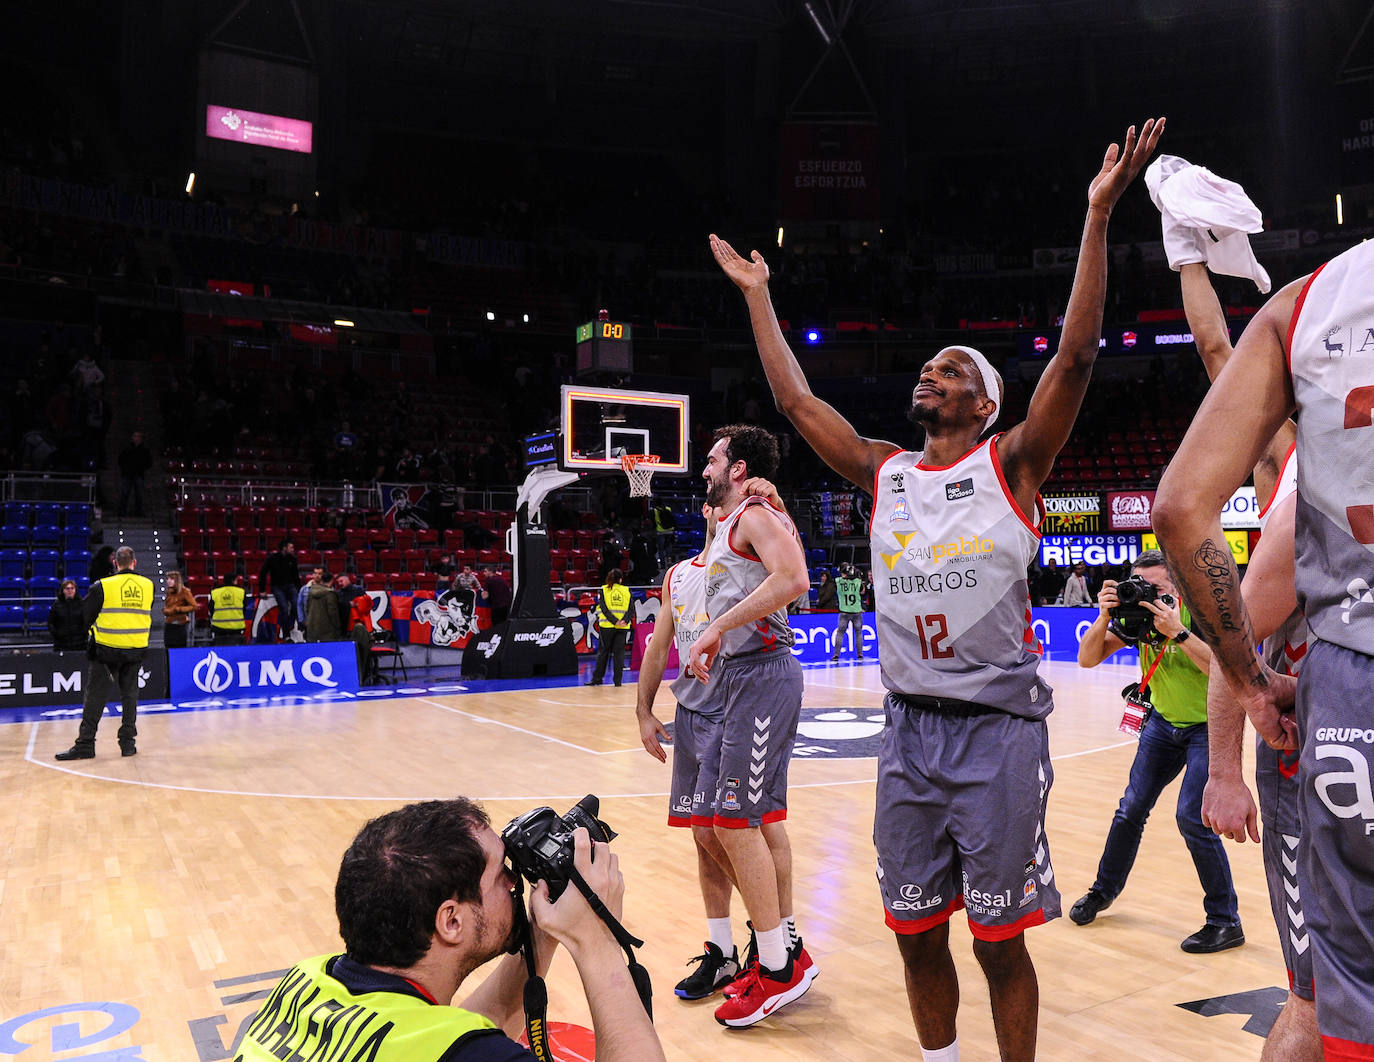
[228, 637]
[612, 640]
[105, 674]
[174, 635]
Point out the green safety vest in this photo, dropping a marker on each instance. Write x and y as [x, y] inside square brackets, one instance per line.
[126, 613]
[311, 1015]
[226, 608]
[851, 594]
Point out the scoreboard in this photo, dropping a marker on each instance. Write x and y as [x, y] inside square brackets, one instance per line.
[605, 346]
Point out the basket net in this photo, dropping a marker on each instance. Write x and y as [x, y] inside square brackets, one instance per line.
[639, 469]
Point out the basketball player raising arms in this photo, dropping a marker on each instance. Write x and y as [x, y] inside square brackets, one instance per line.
[964, 769]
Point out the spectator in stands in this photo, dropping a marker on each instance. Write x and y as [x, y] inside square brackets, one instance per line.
[1076, 586]
[86, 374]
[467, 579]
[443, 567]
[643, 557]
[226, 610]
[498, 594]
[408, 466]
[1051, 583]
[178, 609]
[345, 439]
[827, 597]
[134, 462]
[65, 621]
[664, 525]
[281, 576]
[355, 613]
[101, 566]
[323, 617]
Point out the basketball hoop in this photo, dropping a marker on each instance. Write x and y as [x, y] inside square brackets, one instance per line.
[639, 469]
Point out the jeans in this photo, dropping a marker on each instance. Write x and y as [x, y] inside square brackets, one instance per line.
[286, 609]
[1164, 750]
[854, 621]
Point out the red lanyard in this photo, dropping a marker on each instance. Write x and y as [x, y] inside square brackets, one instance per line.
[1145, 682]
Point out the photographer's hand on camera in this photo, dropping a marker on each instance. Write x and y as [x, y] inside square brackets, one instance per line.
[623, 1030]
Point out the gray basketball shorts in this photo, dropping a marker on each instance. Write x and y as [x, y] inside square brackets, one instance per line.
[1336, 850]
[960, 821]
[1276, 785]
[762, 697]
[696, 757]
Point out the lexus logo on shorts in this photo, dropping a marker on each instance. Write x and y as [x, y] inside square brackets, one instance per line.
[910, 892]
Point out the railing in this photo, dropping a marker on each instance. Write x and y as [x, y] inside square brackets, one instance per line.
[49, 486]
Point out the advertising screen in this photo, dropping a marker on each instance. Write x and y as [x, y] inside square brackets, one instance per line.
[261, 130]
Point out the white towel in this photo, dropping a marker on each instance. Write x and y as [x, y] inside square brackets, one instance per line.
[1206, 219]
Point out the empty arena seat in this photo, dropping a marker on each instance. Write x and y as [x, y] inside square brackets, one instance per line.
[14, 535]
[36, 616]
[14, 562]
[44, 586]
[11, 618]
[44, 562]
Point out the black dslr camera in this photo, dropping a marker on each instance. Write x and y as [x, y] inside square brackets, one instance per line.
[1131, 620]
[539, 843]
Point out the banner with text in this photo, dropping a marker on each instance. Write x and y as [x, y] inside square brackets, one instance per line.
[229, 672]
[830, 171]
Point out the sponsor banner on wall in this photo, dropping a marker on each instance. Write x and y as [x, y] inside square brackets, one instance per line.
[829, 171]
[644, 632]
[1238, 540]
[1060, 629]
[35, 679]
[813, 637]
[1070, 514]
[1129, 510]
[226, 672]
[448, 619]
[1068, 550]
[1242, 510]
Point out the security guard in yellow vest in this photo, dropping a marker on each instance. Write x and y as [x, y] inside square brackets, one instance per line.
[118, 610]
[423, 898]
[226, 611]
[613, 618]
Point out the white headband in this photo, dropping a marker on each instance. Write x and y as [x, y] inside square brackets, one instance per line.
[989, 374]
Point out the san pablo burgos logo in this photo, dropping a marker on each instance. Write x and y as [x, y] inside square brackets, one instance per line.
[215, 674]
[543, 639]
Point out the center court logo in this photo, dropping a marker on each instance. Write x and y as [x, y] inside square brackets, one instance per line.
[215, 674]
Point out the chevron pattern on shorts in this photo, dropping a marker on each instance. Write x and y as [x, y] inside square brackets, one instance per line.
[758, 757]
[1296, 919]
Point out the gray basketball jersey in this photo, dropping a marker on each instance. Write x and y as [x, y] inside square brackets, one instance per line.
[731, 576]
[687, 586]
[1331, 359]
[950, 552]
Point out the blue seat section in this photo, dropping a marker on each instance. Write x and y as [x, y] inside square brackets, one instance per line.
[47, 535]
[44, 586]
[17, 513]
[75, 562]
[37, 616]
[77, 512]
[47, 513]
[14, 535]
[11, 617]
[14, 562]
[76, 536]
[44, 562]
[13, 586]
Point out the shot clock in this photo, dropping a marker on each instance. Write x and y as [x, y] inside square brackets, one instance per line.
[605, 347]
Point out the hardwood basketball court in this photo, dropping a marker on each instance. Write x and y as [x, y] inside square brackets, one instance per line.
[181, 882]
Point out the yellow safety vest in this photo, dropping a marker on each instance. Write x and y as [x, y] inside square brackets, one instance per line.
[126, 615]
[226, 608]
[311, 1015]
[618, 601]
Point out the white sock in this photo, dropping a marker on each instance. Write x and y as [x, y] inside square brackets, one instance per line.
[944, 1054]
[718, 933]
[772, 948]
[790, 924]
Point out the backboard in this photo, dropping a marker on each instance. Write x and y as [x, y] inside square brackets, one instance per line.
[599, 424]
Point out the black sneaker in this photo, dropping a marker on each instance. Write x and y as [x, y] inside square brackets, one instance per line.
[714, 971]
[76, 752]
[1088, 907]
[1212, 938]
[128, 750]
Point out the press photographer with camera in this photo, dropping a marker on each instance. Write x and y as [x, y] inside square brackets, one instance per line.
[1144, 609]
[424, 897]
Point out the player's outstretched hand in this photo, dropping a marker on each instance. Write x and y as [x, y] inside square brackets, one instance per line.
[747, 275]
[1120, 166]
[652, 734]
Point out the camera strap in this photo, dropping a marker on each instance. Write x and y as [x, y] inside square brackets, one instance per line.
[1149, 673]
[624, 938]
[536, 998]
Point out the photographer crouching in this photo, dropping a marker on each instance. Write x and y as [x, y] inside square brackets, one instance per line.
[1168, 710]
[424, 897]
